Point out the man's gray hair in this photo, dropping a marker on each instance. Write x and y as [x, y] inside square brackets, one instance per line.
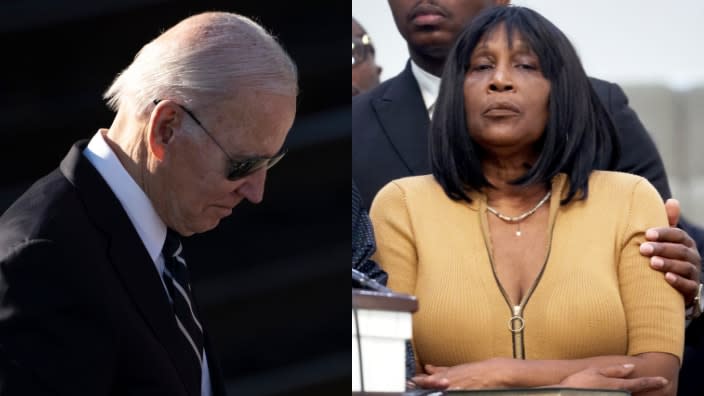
[203, 59]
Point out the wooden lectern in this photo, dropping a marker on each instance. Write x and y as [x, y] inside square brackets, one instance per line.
[381, 325]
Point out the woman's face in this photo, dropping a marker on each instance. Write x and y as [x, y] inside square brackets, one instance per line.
[505, 94]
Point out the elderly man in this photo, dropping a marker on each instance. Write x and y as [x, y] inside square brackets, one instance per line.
[94, 290]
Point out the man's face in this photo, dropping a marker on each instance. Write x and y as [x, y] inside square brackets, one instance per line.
[195, 192]
[430, 27]
[365, 73]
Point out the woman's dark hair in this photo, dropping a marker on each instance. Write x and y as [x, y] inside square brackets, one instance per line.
[579, 136]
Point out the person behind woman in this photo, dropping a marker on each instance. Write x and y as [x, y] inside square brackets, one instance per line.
[523, 255]
[363, 245]
[365, 71]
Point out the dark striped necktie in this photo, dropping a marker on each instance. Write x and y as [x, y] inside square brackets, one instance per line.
[176, 280]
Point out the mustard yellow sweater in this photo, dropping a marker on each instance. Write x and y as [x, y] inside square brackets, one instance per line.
[597, 295]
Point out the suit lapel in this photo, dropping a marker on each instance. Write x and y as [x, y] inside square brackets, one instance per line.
[131, 260]
[405, 121]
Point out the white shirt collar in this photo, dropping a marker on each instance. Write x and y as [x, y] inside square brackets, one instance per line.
[429, 86]
[141, 212]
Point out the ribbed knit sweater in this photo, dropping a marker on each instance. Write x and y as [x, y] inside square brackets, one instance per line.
[597, 294]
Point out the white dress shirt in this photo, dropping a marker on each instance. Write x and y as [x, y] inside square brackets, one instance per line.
[429, 86]
[150, 228]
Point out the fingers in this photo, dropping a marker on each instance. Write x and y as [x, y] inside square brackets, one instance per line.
[435, 379]
[617, 374]
[682, 275]
[617, 370]
[682, 269]
[616, 379]
[669, 234]
[671, 251]
[672, 207]
[687, 287]
[430, 382]
[641, 384]
[613, 377]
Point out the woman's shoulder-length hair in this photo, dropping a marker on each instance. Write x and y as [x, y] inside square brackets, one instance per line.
[579, 136]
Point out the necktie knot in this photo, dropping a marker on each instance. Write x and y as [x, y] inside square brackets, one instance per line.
[174, 262]
[172, 244]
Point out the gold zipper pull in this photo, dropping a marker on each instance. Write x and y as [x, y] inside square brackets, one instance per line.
[516, 323]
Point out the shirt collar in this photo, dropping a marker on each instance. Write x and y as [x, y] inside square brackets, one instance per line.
[429, 86]
[141, 212]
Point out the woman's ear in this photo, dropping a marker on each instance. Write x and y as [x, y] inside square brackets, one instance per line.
[160, 129]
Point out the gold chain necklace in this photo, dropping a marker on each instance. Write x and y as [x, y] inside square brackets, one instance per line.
[522, 216]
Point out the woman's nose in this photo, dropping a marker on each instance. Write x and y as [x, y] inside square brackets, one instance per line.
[501, 80]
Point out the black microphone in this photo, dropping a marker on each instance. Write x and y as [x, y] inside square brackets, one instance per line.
[366, 282]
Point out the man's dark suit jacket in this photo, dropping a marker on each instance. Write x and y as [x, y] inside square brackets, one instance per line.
[390, 127]
[82, 308]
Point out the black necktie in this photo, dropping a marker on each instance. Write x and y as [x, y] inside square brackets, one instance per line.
[176, 280]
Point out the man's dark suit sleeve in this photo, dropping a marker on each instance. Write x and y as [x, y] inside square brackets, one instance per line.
[51, 329]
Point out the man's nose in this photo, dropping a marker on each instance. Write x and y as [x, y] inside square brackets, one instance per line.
[253, 187]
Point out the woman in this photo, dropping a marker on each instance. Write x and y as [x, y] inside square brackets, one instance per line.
[523, 255]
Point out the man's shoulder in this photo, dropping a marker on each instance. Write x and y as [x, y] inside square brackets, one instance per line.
[610, 93]
[364, 100]
[603, 88]
[392, 101]
[365, 121]
[47, 205]
[599, 83]
[395, 89]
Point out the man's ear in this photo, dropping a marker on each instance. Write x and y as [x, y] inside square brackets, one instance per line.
[163, 121]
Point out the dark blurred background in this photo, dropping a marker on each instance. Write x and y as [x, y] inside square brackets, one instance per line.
[270, 278]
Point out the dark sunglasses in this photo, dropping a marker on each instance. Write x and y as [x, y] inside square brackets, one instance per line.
[237, 169]
[361, 49]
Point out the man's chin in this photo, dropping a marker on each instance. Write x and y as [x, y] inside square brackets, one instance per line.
[436, 44]
[205, 226]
